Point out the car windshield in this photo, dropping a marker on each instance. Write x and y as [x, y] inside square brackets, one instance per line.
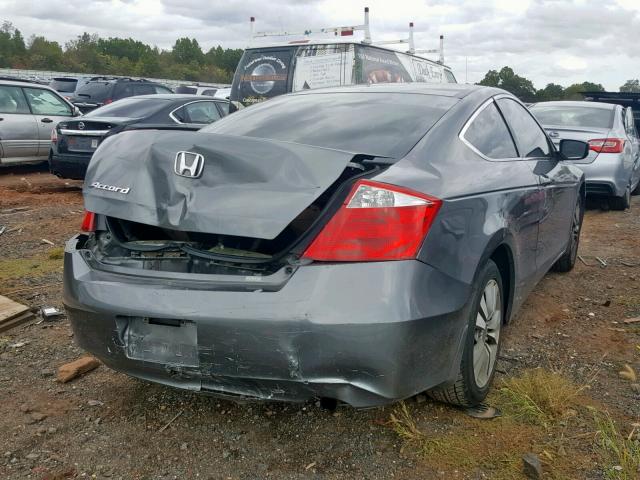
[567, 116]
[378, 123]
[130, 108]
[64, 85]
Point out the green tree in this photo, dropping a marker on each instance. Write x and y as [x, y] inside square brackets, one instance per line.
[187, 51]
[632, 86]
[574, 92]
[552, 91]
[507, 79]
[89, 53]
[44, 54]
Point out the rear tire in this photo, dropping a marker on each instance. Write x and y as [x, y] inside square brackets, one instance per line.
[482, 345]
[568, 259]
[623, 202]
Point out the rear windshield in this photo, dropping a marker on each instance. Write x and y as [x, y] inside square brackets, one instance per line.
[67, 85]
[262, 74]
[185, 89]
[381, 124]
[566, 116]
[130, 108]
[97, 91]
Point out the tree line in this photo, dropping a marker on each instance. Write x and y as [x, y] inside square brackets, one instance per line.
[523, 88]
[117, 56]
[187, 61]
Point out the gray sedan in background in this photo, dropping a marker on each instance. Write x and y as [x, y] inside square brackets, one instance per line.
[612, 167]
[360, 244]
[28, 114]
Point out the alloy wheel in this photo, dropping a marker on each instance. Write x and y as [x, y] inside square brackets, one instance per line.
[487, 333]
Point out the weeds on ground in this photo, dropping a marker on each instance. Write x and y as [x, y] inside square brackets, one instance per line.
[539, 397]
[56, 253]
[13, 268]
[619, 453]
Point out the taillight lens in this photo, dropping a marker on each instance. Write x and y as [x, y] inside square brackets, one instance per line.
[88, 222]
[376, 222]
[54, 136]
[607, 145]
[107, 101]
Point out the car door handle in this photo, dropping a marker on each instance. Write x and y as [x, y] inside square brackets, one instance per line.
[46, 120]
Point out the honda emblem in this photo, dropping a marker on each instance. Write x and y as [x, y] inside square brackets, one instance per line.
[188, 164]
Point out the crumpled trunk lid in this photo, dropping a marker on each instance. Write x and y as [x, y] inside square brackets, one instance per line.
[248, 187]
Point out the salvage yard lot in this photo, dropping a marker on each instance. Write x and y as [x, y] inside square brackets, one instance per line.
[559, 387]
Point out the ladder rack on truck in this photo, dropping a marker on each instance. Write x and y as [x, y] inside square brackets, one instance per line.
[345, 31]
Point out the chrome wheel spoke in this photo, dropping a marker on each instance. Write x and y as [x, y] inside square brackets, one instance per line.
[487, 333]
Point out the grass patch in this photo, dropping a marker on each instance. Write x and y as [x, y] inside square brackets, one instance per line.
[56, 253]
[619, 453]
[12, 268]
[465, 444]
[539, 397]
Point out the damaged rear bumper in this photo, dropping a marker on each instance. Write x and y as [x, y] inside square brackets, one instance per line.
[365, 334]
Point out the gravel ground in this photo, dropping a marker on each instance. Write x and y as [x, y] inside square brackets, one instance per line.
[107, 425]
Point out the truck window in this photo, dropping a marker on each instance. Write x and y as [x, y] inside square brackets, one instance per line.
[320, 66]
[375, 65]
[261, 74]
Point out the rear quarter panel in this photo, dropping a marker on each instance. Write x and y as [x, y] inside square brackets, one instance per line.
[485, 203]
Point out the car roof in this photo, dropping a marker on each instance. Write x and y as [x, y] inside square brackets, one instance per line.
[457, 90]
[569, 103]
[19, 82]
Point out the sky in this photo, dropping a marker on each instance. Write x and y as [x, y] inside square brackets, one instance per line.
[559, 41]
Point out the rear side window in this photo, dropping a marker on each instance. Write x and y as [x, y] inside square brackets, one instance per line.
[531, 140]
[489, 135]
[45, 102]
[160, 89]
[210, 92]
[12, 100]
[378, 124]
[143, 89]
[201, 112]
[450, 77]
[224, 107]
[96, 91]
[64, 85]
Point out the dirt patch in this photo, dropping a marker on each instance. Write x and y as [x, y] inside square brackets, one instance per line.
[111, 426]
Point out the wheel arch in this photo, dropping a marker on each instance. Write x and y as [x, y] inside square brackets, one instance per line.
[499, 250]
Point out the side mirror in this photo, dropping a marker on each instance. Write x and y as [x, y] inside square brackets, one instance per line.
[573, 149]
[76, 112]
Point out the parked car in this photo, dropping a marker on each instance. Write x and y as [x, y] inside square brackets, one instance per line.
[361, 244]
[105, 90]
[612, 167]
[73, 142]
[28, 113]
[66, 86]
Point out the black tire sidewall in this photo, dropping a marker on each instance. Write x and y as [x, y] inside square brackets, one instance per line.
[473, 392]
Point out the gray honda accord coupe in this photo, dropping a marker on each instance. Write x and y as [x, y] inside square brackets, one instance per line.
[359, 244]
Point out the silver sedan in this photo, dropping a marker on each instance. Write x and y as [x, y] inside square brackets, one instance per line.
[612, 167]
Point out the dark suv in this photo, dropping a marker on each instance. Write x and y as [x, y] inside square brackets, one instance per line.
[104, 90]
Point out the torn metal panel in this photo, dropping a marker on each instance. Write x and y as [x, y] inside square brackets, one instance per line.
[246, 187]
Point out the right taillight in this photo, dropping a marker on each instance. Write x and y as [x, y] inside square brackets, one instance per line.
[607, 145]
[376, 222]
[88, 222]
